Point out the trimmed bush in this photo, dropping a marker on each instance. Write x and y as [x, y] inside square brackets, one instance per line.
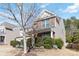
[14, 43]
[47, 46]
[46, 37]
[59, 43]
[38, 42]
[47, 42]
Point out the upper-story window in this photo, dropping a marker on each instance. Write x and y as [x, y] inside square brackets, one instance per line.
[1, 31]
[9, 29]
[46, 23]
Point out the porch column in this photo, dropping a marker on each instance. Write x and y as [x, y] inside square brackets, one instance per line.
[52, 29]
[33, 40]
[5, 37]
[51, 34]
[5, 40]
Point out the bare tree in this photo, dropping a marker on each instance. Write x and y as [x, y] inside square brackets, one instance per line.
[21, 14]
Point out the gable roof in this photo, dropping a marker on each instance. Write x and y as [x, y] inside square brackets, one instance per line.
[45, 14]
[8, 25]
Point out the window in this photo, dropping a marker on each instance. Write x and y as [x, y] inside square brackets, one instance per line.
[1, 31]
[46, 23]
[9, 29]
[2, 38]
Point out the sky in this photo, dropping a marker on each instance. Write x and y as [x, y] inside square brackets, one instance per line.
[63, 10]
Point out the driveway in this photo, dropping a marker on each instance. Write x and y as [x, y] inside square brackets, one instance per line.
[7, 50]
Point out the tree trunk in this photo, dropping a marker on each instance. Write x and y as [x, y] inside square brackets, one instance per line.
[24, 39]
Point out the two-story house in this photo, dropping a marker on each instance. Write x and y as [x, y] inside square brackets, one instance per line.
[8, 32]
[47, 23]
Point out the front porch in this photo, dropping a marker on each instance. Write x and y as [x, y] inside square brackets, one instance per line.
[48, 33]
[43, 34]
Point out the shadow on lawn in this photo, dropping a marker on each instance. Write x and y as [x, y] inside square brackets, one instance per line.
[33, 52]
[20, 53]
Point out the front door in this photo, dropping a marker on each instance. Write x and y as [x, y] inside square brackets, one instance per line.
[2, 39]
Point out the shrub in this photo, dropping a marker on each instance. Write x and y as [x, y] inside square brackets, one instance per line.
[47, 41]
[38, 39]
[14, 43]
[46, 37]
[47, 46]
[29, 42]
[59, 43]
[72, 38]
[38, 42]
[69, 39]
[76, 41]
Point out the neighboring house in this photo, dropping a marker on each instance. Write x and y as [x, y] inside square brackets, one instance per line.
[8, 32]
[47, 23]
